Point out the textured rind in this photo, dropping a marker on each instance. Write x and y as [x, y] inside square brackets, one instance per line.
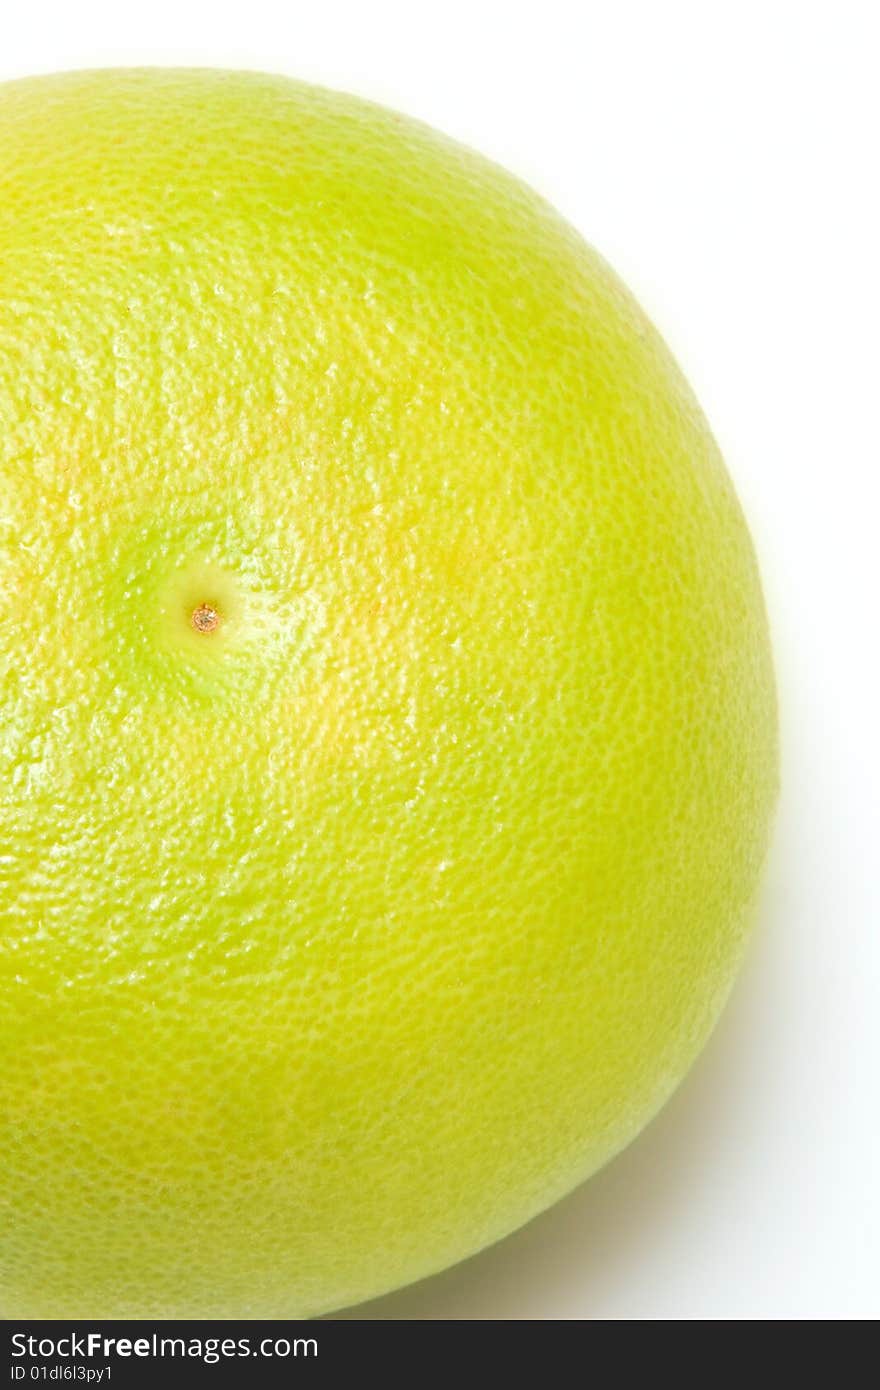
[339, 943]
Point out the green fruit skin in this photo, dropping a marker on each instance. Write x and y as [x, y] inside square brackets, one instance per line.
[338, 943]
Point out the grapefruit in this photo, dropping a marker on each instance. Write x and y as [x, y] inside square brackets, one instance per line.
[388, 740]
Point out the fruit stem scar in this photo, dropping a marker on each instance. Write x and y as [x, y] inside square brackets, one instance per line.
[205, 618]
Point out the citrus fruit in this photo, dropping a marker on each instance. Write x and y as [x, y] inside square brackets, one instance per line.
[388, 729]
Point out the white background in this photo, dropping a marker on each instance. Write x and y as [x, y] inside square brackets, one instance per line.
[724, 157]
